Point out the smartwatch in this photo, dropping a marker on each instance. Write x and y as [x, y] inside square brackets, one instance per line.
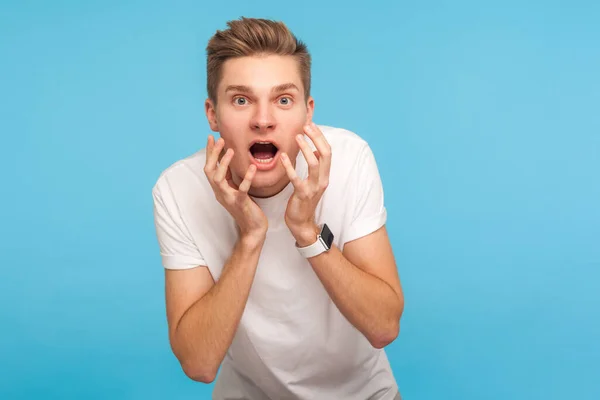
[323, 243]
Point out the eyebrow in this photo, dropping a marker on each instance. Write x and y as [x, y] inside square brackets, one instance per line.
[285, 86]
[247, 89]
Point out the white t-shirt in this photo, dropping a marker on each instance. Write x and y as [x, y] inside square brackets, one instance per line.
[292, 341]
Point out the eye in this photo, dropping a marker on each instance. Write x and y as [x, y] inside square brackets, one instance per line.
[285, 101]
[240, 101]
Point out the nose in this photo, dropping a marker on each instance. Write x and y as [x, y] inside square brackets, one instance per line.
[263, 119]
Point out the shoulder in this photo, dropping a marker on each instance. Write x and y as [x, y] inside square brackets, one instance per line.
[341, 137]
[346, 146]
[183, 191]
[181, 173]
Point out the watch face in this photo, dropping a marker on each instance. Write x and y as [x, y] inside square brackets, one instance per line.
[327, 236]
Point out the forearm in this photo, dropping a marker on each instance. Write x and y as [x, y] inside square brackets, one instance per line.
[368, 302]
[207, 328]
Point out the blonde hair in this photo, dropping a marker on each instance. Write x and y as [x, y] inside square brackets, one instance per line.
[254, 37]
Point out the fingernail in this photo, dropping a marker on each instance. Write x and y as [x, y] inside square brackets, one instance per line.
[299, 137]
[308, 127]
[284, 156]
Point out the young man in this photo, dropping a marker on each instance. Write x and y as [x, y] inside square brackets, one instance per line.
[278, 267]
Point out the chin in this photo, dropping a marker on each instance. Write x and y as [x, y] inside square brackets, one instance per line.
[268, 179]
[267, 184]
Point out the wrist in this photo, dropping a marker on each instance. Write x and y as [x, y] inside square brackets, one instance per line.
[252, 241]
[305, 235]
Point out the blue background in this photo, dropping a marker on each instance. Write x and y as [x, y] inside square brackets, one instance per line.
[485, 121]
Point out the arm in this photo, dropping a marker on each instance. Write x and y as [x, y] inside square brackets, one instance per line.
[203, 316]
[363, 283]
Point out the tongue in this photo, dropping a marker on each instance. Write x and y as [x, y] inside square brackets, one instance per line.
[263, 155]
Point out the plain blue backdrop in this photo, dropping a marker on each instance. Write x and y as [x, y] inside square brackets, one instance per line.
[484, 117]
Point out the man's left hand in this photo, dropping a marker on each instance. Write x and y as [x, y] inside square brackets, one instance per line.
[300, 212]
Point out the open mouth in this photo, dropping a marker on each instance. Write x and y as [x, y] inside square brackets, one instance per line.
[263, 152]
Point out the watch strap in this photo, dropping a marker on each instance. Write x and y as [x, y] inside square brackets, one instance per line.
[314, 249]
[318, 247]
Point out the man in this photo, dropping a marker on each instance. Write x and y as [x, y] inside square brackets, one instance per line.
[278, 267]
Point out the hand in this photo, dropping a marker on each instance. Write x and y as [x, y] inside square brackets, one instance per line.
[251, 220]
[300, 212]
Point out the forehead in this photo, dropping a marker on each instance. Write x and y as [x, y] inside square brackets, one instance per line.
[261, 73]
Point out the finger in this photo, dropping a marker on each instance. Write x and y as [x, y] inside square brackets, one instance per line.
[323, 147]
[291, 172]
[219, 177]
[229, 179]
[210, 144]
[221, 154]
[314, 133]
[247, 182]
[212, 153]
[311, 160]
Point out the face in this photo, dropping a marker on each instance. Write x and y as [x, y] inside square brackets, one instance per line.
[260, 109]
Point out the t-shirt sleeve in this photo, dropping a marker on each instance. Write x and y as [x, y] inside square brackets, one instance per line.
[177, 249]
[368, 213]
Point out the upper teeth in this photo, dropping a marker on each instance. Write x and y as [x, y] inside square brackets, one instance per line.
[263, 142]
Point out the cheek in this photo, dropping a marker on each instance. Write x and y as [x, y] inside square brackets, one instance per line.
[294, 126]
[293, 121]
[231, 128]
[298, 116]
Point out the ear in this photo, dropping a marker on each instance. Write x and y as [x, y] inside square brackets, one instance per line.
[310, 109]
[211, 115]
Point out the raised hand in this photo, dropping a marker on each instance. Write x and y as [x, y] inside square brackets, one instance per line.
[251, 220]
[300, 212]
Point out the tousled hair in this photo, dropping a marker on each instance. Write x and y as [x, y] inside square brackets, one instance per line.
[254, 37]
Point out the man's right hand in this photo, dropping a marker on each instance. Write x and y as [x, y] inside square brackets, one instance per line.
[251, 220]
